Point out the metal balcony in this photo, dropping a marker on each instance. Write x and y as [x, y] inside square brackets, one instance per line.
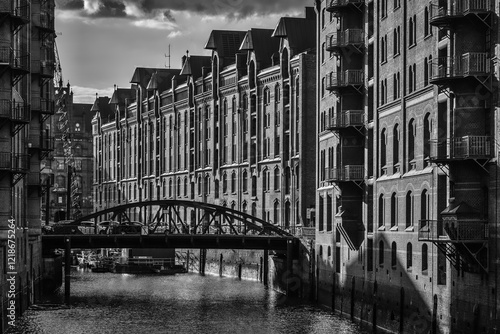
[14, 162]
[43, 20]
[348, 38]
[42, 105]
[336, 5]
[19, 11]
[41, 142]
[16, 59]
[471, 64]
[16, 112]
[347, 173]
[454, 231]
[348, 78]
[346, 119]
[44, 68]
[441, 16]
[461, 148]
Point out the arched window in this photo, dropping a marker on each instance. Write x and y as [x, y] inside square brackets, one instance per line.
[185, 186]
[411, 143]
[425, 263]
[276, 213]
[394, 255]
[199, 185]
[254, 185]
[381, 253]
[383, 153]
[395, 147]
[216, 188]
[427, 136]
[170, 186]
[409, 209]
[206, 186]
[284, 63]
[287, 214]
[287, 180]
[381, 212]
[329, 251]
[424, 200]
[394, 210]
[178, 187]
[254, 209]
[245, 181]
[233, 182]
[409, 256]
[224, 183]
[276, 178]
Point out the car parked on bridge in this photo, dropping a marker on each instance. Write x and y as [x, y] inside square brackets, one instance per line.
[131, 227]
[107, 226]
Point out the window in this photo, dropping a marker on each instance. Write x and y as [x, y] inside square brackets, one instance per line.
[277, 178]
[427, 28]
[329, 207]
[233, 182]
[383, 8]
[412, 31]
[396, 89]
[320, 215]
[323, 52]
[410, 79]
[383, 91]
[409, 256]
[383, 153]
[409, 209]
[276, 213]
[411, 142]
[245, 181]
[394, 255]
[381, 212]
[425, 263]
[397, 4]
[383, 49]
[395, 147]
[427, 136]
[424, 200]
[265, 180]
[394, 210]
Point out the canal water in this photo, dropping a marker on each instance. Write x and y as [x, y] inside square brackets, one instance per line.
[120, 303]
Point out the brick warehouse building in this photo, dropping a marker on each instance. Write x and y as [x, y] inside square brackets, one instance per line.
[407, 173]
[26, 103]
[232, 128]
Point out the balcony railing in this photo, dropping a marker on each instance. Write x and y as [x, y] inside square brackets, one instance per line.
[468, 64]
[457, 9]
[44, 20]
[461, 148]
[345, 174]
[348, 118]
[345, 38]
[336, 4]
[343, 79]
[14, 111]
[14, 162]
[43, 67]
[19, 9]
[41, 142]
[16, 59]
[44, 106]
[453, 230]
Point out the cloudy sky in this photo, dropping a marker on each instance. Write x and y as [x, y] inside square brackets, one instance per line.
[100, 42]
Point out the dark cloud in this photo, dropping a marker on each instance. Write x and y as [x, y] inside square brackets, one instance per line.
[234, 9]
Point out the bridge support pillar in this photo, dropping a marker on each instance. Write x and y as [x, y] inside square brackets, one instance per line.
[289, 266]
[203, 261]
[67, 269]
[220, 264]
[265, 273]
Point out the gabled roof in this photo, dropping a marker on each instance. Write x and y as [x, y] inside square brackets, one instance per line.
[193, 65]
[299, 32]
[120, 94]
[225, 42]
[101, 105]
[459, 209]
[142, 76]
[260, 41]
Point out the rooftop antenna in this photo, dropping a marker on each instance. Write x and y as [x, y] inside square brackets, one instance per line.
[168, 56]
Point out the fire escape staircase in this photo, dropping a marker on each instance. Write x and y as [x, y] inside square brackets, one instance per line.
[460, 236]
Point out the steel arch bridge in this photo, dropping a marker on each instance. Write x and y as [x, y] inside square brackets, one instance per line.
[204, 218]
[177, 223]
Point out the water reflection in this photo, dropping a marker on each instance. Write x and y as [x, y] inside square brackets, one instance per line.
[116, 303]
